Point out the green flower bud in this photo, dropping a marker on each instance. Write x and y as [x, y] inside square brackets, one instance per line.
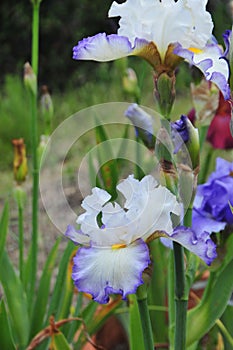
[165, 92]
[130, 83]
[47, 111]
[30, 79]
[20, 196]
[20, 161]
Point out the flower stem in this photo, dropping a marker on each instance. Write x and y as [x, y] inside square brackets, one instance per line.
[138, 171]
[145, 317]
[181, 292]
[180, 299]
[21, 243]
[35, 36]
[34, 133]
[225, 332]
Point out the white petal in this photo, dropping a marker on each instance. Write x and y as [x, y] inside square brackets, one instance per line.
[148, 208]
[211, 63]
[76, 236]
[102, 47]
[164, 22]
[101, 272]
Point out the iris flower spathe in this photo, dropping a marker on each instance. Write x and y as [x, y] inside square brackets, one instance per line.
[114, 250]
[163, 33]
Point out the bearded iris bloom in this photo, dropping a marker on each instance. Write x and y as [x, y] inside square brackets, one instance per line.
[211, 212]
[163, 33]
[114, 251]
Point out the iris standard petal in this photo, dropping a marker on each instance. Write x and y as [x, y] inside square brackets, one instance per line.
[101, 272]
[164, 22]
[211, 62]
[148, 205]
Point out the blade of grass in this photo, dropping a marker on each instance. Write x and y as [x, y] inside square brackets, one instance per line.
[16, 301]
[59, 342]
[56, 300]
[40, 306]
[6, 339]
[4, 228]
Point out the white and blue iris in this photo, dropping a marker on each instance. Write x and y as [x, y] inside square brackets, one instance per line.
[114, 251]
[163, 33]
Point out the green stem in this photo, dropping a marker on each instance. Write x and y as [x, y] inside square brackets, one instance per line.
[205, 165]
[181, 292]
[21, 243]
[35, 36]
[180, 299]
[145, 317]
[202, 135]
[188, 216]
[225, 332]
[138, 171]
[171, 297]
[34, 133]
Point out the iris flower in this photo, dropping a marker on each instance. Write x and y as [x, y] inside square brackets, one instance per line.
[211, 212]
[163, 33]
[114, 251]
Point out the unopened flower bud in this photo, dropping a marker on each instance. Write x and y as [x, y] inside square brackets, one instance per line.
[20, 196]
[164, 154]
[130, 83]
[186, 142]
[187, 184]
[46, 109]
[165, 93]
[205, 98]
[143, 124]
[30, 80]
[20, 160]
[42, 146]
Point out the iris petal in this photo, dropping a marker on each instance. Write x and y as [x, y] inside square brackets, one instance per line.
[212, 64]
[202, 246]
[103, 48]
[101, 272]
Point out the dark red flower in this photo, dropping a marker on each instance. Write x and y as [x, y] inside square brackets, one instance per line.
[219, 133]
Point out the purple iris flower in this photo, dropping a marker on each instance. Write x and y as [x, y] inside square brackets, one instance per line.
[211, 206]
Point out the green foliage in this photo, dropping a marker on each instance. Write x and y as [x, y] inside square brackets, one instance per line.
[14, 118]
[19, 326]
[5, 330]
[16, 301]
[215, 299]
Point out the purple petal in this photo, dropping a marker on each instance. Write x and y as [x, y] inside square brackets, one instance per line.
[205, 223]
[202, 246]
[103, 48]
[211, 62]
[226, 37]
[101, 272]
[142, 122]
